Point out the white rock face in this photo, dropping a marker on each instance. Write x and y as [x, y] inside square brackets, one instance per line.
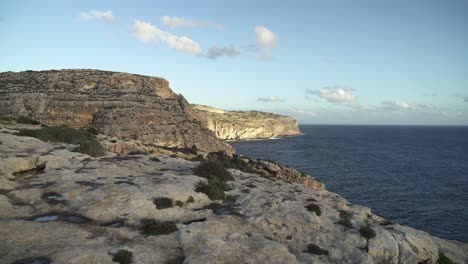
[236, 125]
[98, 205]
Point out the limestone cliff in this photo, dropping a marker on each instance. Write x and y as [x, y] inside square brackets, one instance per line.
[73, 208]
[117, 104]
[245, 124]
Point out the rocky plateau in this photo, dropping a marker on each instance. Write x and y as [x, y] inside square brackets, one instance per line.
[59, 206]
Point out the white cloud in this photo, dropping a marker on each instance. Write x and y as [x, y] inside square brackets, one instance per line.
[270, 99]
[266, 40]
[173, 22]
[216, 52]
[334, 94]
[148, 33]
[397, 105]
[97, 15]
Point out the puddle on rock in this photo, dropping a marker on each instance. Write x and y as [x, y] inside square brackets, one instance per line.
[51, 217]
[53, 198]
[115, 223]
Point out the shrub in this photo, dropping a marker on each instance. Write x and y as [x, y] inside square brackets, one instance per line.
[92, 131]
[90, 147]
[190, 200]
[27, 120]
[367, 232]
[345, 219]
[314, 249]
[87, 142]
[151, 227]
[214, 189]
[179, 203]
[314, 208]
[123, 257]
[444, 259]
[212, 169]
[155, 159]
[163, 202]
[136, 152]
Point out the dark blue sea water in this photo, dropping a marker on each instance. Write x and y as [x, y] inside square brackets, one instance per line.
[414, 175]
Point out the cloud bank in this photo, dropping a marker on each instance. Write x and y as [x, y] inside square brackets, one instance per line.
[147, 33]
[216, 52]
[334, 94]
[106, 16]
[271, 99]
[397, 105]
[174, 22]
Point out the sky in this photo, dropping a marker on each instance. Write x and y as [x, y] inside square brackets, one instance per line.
[378, 62]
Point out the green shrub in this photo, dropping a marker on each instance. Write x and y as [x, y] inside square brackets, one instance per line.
[155, 159]
[163, 202]
[27, 120]
[345, 219]
[212, 169]
[314, 208]
[190, 200]
[179, 203]
[367, 232]
[151, 227]
[123, 257]
[214, 189]
[314, 249]
[136, 152]
[92, 131]
[87, 142]
[444, 259]
[90, 147]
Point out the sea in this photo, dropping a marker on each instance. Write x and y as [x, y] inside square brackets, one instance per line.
[413, 175]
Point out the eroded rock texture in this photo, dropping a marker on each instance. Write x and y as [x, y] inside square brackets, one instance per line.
[116, 104]
[79, 209]
[246, 124]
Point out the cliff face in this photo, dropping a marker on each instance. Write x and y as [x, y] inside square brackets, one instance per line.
[245, 124]
[116, 104]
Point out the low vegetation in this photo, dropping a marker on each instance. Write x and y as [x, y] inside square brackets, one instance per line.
[217, 175]
[123, 257]
[27, 120]
[345, 219]
[151, 227]
[86, 142]
[367, 232]
[163, 202]
[190, 200]
[314, 208]
[316, 250]
[444, 259]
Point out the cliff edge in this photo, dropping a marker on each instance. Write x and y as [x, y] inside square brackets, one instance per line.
[237, 125]
[116, 104]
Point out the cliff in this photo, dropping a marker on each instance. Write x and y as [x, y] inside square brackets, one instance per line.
[116, 104]
[245, 124]
[58, 206]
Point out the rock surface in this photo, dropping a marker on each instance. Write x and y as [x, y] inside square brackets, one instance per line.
[236, 125]
[79, 209]
[116, 104]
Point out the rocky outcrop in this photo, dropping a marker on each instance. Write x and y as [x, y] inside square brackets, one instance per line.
[79, 209]
[116, 104]
[236, 125]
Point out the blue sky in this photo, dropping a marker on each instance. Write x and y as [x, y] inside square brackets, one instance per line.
[324, 62]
